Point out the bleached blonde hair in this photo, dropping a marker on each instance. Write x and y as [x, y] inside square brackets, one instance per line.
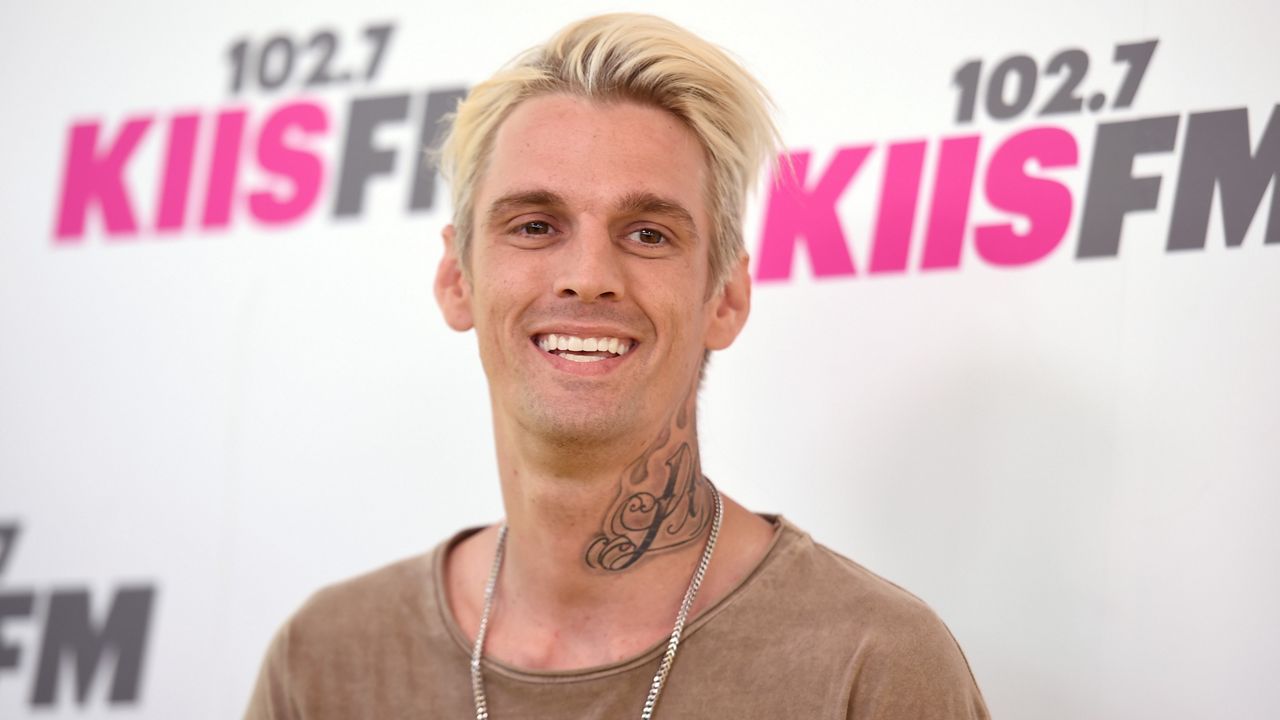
[638, 58]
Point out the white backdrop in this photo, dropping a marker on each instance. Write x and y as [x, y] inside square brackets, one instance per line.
[1073, 460]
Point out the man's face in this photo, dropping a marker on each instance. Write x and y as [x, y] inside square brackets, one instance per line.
[591, 226]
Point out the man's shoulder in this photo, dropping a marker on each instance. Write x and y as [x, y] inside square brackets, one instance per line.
[840, 583]
[373, 630]
[889, 651]
[388, 584]
[380, 602]
[847, 604]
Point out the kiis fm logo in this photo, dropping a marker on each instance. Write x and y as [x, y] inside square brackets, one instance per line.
[73, 648]
[1216, 157]
[282, 145]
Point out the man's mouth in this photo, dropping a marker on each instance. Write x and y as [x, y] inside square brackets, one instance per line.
[583, 349]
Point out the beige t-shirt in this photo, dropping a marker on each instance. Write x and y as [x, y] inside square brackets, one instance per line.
[807, 634]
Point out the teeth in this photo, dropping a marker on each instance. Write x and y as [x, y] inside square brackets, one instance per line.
[580, 358]
[554, 343]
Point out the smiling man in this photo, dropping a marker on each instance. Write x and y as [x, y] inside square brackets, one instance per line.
[596, 250]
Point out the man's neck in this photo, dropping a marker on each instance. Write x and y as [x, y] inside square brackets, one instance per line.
[600, 550]
[585, 525]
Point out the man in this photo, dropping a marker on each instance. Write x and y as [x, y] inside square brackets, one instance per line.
[596, 249]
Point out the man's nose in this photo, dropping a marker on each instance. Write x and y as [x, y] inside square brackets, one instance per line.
[589, 267]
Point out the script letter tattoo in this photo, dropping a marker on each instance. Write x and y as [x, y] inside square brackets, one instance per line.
[654, 511]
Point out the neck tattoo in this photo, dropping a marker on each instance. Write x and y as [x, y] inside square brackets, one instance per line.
[673, 643]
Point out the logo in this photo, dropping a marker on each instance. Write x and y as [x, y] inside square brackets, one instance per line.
[228, 165]
[86, 640]
[1021, 178]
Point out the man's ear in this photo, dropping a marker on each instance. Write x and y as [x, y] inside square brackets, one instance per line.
[453, 290]
[730, 307]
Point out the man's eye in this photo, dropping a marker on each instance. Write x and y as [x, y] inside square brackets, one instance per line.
[536, 227]
[648, 236]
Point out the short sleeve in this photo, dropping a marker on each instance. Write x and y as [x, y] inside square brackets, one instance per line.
[914, 670]
[272, 698]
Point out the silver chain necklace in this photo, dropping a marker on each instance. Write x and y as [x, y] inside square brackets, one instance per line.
[659, 678]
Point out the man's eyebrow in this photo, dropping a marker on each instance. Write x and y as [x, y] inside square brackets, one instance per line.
[522, 199]
[646, 203]
[635, 203]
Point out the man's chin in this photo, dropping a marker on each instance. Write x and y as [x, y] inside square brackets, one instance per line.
[579, 426]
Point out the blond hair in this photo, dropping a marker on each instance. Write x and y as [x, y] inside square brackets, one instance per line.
[640, 58]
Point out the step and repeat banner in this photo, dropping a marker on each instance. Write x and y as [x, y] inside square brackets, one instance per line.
[1014, 343]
